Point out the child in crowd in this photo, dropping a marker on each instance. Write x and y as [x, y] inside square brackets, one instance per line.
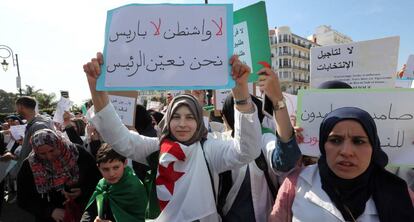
[120, 195]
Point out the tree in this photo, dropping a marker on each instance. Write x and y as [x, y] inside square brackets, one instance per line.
[7, 101]
[46, 101]
[30, 91]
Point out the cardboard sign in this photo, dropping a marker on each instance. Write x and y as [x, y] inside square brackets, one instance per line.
[251, 37]
[166, 46]
[366, 64]
[125, 106]
[394, 117]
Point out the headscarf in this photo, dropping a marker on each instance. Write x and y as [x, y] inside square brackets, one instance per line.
[228, 110]
[53, 175]
[143, 122]
[14, 117]
[127, 198]
[195, 108]
[334, 84]
[389, 192]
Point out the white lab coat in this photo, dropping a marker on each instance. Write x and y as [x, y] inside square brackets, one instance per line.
[221, 155]
[312, 203]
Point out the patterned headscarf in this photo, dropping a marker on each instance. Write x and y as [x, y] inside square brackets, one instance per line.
[195, 108]
[53, 175]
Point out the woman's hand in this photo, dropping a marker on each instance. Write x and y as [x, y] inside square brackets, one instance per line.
[58, 214]
[270, 85]
[97, 219]
[73, 194]
[240, 74]
[93, 71]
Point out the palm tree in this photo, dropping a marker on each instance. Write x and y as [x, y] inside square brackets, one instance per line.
[30, 91]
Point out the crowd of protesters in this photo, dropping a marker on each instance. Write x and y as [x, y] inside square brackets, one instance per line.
[175, 166]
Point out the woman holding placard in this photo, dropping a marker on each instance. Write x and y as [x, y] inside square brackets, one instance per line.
[188, 161]
[349, 183]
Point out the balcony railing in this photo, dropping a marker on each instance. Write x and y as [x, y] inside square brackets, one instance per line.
[300, 68]
[301, 80]
[285, 54]
[300, 56]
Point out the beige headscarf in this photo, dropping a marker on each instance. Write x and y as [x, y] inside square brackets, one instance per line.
[195, 108]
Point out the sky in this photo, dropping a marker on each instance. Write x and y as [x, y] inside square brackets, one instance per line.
[54, 38]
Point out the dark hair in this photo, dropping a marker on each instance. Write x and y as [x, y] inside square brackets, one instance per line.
[143, 122]
[157, 115]
[228, 110]
[26, 101]
[107, 154]
[334, 84]
[80, 125]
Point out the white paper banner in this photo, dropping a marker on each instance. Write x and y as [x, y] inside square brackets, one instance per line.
[393, 115]
[366, 64]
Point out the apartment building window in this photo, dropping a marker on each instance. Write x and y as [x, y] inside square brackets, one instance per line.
[285, 62]
[285, 38]
[285, 49]
[285, 75]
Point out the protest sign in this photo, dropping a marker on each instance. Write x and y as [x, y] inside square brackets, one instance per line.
[154, 105]
[393, 115]
[63, 105]
[220, 96]
[366, 64]
[409, 69]
[403, 83]
[125, 105]
[251, 37]
[165, 46]
[18, 131]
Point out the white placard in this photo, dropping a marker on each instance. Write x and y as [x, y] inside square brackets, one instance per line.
[18, 131]
[241, 43]
[366, 64]
[409, 69]
[63, 105]
[403, 83]
[220, 97]
[394, 117]
[154, 105]
[167, 47]
[125, 107]
[291, 103]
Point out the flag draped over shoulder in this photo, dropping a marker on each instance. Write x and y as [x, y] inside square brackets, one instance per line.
[183, 183]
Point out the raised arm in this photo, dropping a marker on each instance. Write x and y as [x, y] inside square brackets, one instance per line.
[128, 143]
[245, 147]
[269, 83]
[285, 151]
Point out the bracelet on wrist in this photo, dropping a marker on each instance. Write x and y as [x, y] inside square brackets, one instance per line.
[245, 101]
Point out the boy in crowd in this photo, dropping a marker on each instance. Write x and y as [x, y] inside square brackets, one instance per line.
[120, 195]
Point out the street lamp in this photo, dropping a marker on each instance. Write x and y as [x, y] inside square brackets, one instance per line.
[15, 60]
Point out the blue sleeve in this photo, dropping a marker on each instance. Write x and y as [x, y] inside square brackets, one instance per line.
[286, 155]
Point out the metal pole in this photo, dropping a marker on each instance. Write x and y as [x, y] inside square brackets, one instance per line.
[18, 75]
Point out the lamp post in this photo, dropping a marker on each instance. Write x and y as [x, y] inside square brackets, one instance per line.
[15, 60]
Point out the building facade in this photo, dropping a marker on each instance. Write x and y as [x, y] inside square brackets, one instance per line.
[325, 35]
[290, 58]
